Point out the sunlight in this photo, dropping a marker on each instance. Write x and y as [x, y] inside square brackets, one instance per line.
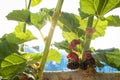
[57, 37]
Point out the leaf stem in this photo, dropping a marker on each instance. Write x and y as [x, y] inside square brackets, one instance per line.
[55, 17]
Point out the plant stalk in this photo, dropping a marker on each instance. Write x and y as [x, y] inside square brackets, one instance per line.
[55, 17]
[88, 37]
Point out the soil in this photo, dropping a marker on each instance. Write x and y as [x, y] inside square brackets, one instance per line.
[89, 74]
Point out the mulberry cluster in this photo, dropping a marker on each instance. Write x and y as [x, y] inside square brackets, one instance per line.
[88, 62]
[74, 62]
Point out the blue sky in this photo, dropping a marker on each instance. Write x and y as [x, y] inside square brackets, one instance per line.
[111, 39]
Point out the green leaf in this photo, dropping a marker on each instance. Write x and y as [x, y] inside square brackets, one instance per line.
[100, 56]
[82, 14]
[12, 65]
[7, 48]
[69, 36]
[39, 19]
[62, 45]
[70, 21]
[35, 2]
[113, 59]
[19, 15]
[18, 36]
[100, 28]
[113, 20]
[109, 56]
[98, 7]
[89, 6]
[107, 5]
[32, 58]
[70, 25]
[54, 55]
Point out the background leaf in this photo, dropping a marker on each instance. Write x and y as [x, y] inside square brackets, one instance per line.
[39, 19]
[19, 15]
[18, 36]
[35, 2]
[113, 20]
[109, 56]
[54, 55]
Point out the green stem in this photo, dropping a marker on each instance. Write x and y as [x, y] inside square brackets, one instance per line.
[96, 23]
[24, 28]
[88, 37]
[29, 5]
[55, 17]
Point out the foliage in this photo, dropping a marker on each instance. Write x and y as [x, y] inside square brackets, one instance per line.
[54, 55]
[12, 65]
[113, 20]
[19, 15]
[35, 2]
[109, 56]
[81, 27]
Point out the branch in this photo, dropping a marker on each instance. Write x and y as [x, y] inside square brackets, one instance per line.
[55, 17]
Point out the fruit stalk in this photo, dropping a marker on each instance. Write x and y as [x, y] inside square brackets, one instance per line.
[55, 17]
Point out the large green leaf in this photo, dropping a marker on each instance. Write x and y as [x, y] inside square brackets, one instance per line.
[100, 29]
[98, 7]
[113, 20]
[35, 2]
[89, 6]
[39, 19]
[106, 5]
[54, 55]
[19, 15]
[18, 36]
[113, 59]
[109, 56]
[70, 25]
[12, 65]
